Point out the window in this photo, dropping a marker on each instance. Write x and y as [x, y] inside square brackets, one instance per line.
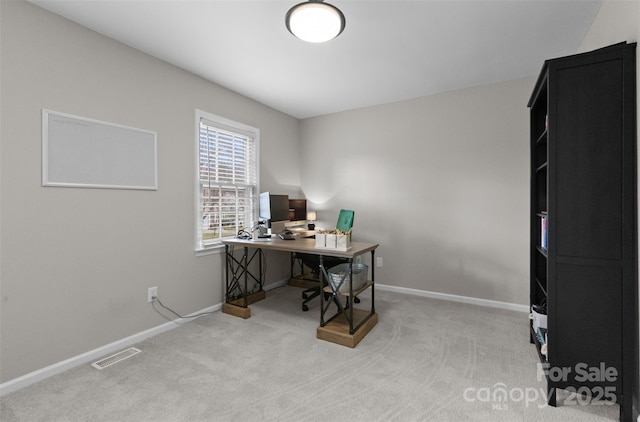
[227, 179]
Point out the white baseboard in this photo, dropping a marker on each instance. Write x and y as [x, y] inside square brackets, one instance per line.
[455, 298]
[275, 284]
[92, 355]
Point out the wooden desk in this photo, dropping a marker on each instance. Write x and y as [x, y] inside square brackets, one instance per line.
[347, 326]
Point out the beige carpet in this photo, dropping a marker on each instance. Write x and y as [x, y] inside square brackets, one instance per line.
[426, 360]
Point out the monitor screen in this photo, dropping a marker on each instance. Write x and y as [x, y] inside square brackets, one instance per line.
[297, 209]
[265, 207]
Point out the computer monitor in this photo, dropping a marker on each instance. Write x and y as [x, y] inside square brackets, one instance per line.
[274, 209]
[297, 213]
[298, 210]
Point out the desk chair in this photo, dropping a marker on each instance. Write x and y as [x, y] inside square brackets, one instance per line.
[344, 224]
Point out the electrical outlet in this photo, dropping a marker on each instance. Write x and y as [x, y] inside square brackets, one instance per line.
[152, 294]
[379, 262]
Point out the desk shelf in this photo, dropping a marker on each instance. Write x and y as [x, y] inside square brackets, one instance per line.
[356, 292]
[336, 330]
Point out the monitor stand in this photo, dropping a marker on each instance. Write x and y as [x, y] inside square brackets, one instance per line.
[277, 227]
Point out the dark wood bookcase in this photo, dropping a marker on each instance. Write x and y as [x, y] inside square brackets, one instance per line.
[583, 185]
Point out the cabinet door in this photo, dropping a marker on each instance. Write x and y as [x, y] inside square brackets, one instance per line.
[590, 324]
[587, 168]
[589, 161]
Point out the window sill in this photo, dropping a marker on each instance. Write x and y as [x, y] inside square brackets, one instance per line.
[210, 250]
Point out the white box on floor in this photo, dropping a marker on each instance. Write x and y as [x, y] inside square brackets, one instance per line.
[538, 320]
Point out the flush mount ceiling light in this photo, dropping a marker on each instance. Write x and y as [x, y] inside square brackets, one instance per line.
[315, 21]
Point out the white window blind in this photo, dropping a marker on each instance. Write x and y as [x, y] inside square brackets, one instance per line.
[227, 178]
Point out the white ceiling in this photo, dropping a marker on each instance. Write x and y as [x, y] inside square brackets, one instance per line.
[389, 50]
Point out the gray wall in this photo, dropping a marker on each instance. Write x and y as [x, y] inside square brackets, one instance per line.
[76, 263]
[440, 181]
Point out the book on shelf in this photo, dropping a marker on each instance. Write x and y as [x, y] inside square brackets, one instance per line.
[541, 333]
[543, 232]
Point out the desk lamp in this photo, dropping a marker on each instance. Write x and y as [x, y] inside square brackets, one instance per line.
[311, 217]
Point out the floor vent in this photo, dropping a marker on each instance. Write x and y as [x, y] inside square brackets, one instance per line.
[115, 358]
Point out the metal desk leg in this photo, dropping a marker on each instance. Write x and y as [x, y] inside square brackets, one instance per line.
[373, 281]
[324, 304]
[238, 298]
[350, 299]
[227, 271]
[245, 265]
